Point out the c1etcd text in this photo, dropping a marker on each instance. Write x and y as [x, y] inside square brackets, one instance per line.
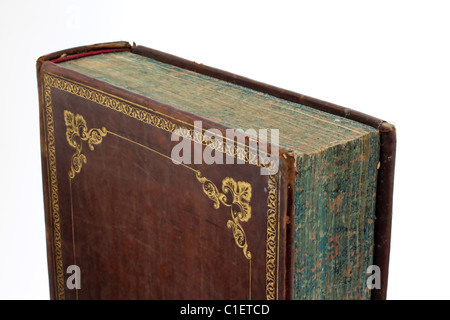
[246, 309]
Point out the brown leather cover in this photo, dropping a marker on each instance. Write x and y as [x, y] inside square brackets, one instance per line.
[141, 227]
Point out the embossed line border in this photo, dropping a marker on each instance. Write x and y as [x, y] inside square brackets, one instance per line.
[151, 117]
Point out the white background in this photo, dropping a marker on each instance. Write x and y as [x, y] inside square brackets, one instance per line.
[389, 59]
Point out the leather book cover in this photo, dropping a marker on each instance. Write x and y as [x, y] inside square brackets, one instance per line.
[135, 225]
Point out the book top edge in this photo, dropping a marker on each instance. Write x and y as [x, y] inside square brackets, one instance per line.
[300, 128]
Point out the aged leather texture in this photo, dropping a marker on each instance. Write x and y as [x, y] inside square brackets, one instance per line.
[141, 227]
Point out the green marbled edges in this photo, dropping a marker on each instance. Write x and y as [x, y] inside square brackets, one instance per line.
[334, 218]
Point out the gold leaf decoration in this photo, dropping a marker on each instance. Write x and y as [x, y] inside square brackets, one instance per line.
[76, 133]
[237, 196]
[54, 201]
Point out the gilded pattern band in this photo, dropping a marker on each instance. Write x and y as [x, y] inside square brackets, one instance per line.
[53, 192]
[271, 241]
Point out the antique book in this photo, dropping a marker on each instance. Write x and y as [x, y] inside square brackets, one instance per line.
[168, 179]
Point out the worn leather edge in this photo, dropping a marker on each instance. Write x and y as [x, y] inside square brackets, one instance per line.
[291, 177]
[286, 228]
[384, 202]
[44, 168]
[81, 49]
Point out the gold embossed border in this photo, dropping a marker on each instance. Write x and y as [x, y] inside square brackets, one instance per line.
[53, 192]
[147, 116]
[272, 246]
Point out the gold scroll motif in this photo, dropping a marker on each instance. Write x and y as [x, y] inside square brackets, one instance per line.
[236, 195]
[76, 133]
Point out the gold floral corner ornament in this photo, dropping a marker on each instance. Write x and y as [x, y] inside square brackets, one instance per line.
[237, 196]
[76, 133]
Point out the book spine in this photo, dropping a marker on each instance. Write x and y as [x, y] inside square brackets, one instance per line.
[383, 213]
[44, 161]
